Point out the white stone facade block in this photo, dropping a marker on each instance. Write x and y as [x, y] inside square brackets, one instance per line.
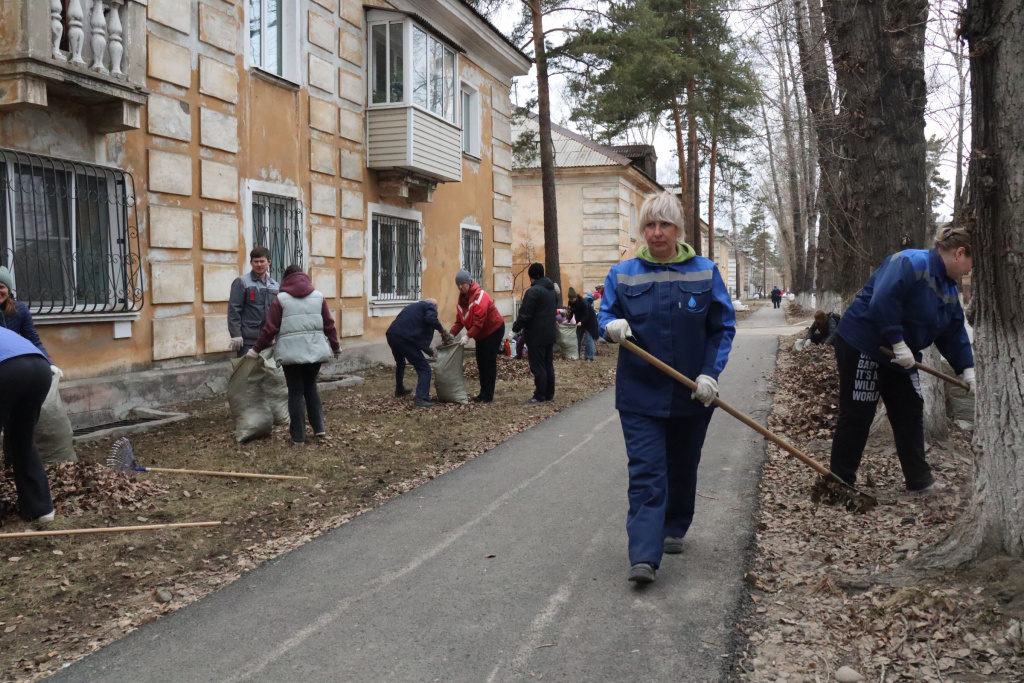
[601, 223]
[217, 79]
[321, 31]
[352, 12]
[502, 234]
[169, 118]
[502, 210]
[350, 125]
[215, 332]
[323, 115]
[601, 239]
[505, 305]
[501, 129]
[502, 257]
[595, 207]
[500, 101]
[350, 47]
[596, 254]
[352, 322]
[219, 181]
[324, 242]
[173, 282]
[325, 199]
[502, 157]
[322, 157]
[352, 244]
[326, 281]
[174, 337]
[502, 183]
[217, 130]
[220, 231]
[352, 205]
[169, 62]
[174, 13]
[326, 4]
[353, 166]
[504, 282]
[322, 74]
[351, 284]
[350, 87]
[217, 281]
[170, 173]
[605, 192]
[218, 29]
[170, 227]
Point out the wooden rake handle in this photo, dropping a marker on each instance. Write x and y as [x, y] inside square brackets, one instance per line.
[692, 386]
[886, 351]
[105, 530]
[211, 473]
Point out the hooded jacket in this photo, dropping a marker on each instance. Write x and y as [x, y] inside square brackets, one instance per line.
[537, 314]
[476, 313]
[301, 321]
[21, 323]
[680, 312]
[416, 323]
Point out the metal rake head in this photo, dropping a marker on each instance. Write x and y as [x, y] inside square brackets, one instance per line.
[122, 458]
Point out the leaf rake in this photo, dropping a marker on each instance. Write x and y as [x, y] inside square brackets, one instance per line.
[122, 459]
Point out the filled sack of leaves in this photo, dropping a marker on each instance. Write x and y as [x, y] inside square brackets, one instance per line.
[448, 380]
[567, 341]
[54, 437]
[275, 388]
[248, 400]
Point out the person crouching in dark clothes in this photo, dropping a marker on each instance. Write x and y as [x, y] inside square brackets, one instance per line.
[586, 324]
[823, 331]
[909, 303]
[409, 337]
[25, 380]
[537, 321]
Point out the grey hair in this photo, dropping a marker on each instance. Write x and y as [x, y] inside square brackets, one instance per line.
[431, 301]
[661, 206]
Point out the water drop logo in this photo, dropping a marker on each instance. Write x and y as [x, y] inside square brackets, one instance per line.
[691, 303]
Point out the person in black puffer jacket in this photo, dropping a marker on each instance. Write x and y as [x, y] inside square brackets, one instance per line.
[537, 321]
[586, 324]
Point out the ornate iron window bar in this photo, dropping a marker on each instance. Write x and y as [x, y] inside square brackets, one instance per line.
[473, 254]
[277, 225]
[69, 235]
[396, 259]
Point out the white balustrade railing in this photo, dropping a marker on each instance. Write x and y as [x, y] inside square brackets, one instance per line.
[104, 51]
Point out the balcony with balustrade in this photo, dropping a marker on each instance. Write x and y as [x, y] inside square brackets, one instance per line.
[87, 55]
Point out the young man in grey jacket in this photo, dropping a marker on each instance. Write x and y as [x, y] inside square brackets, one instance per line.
[251, 296]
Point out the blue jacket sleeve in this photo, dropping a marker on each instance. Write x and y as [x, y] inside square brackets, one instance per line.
[893, 281]
[610, 309]
[28, 329]
[954, 344]
[721, 324]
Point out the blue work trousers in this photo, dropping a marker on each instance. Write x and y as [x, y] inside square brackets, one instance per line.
[404, 350]
[663, 457]
[584, 344]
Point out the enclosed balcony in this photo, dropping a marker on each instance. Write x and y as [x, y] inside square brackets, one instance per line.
[89, 54]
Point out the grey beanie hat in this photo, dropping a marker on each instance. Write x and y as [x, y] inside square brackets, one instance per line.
[5, 278]
[463, 277]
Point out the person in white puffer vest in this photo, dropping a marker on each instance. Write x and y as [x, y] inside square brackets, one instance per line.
[306, 338]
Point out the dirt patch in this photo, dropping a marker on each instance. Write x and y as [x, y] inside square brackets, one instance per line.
[64, 597]
[820, 597]
[796, 313]
[752, 305]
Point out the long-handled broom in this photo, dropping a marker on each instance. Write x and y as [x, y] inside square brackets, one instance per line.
[122, 458]
[886, 351]
[828, 487]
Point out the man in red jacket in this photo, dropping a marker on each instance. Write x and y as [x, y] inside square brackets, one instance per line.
[477, 313]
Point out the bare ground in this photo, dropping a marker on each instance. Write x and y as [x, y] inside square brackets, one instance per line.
[829, 588]
[64, 597]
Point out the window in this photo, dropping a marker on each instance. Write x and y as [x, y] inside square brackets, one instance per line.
[277, 225]
[473, 252]
[431, 61]
[396, 259]
[64, 235]
[388, 56]
[273, 37]
[470, 121]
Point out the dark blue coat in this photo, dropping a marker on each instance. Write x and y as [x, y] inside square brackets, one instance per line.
[21, 323]
[416, 323]
[14, 345]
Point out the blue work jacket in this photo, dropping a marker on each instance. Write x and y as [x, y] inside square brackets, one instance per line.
[679, 312]
[416, 323]
[909, 298]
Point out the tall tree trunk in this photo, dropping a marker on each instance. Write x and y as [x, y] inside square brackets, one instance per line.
[808, 185]
[958, 183]
[684, 175]
[779, 217]
[735, 233]
[693, 177]
[711, 191]
[797, 252]
[993, 523]
[547, 150]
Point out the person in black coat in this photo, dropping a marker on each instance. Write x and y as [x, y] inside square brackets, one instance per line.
[586, 324]
[409, 337]
[537, 321]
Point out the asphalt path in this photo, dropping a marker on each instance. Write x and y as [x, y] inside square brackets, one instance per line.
[510, 568]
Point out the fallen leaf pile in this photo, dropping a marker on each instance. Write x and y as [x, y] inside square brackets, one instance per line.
[832, 589]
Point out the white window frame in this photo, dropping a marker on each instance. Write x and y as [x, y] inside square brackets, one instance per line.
[471, 136]
[291, 36]
[470, 227]
[280, 190]
[391, 307]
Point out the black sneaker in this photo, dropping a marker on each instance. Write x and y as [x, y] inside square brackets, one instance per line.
[399, 393]
[480, 399]
[673, 545]
[424, 403]
[642, 573]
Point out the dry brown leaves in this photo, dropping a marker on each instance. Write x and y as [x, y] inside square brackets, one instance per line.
[820, 590]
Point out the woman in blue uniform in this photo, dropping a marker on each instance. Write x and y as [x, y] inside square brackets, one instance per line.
[908, 304]
[676, 306]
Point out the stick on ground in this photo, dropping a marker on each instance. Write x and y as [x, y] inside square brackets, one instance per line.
[106, 530]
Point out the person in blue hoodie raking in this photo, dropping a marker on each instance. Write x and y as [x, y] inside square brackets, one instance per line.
[676, 306]
[908, 304]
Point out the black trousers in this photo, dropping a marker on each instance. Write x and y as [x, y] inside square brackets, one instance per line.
[303, 398]
[861, 382]
[542, 365]
[487, 362]
[25, 381]
[404, 351]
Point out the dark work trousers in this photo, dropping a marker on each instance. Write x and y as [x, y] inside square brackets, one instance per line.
[303, 398]
[25, 381]
[663, 457]
[487, 362]
[861, 382]
[404, 351]
[542, 365]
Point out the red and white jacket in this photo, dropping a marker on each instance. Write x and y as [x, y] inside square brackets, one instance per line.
[476, 313]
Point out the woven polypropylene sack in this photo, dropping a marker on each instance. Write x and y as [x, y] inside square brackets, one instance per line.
[247, 399]
[448, 380]
[567, 341]
[275, 388]
[53, 436]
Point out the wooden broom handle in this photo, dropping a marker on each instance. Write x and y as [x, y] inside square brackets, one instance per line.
[212, 473]
[886, 351]
[105, 530]
[692, 386]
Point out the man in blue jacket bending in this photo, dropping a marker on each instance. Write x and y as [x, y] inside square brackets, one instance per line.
[409, 337]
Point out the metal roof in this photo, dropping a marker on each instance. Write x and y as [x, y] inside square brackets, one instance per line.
[571, 149]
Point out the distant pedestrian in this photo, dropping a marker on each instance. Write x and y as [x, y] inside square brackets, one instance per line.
[477, 314]
[776, 297]
[306, 338]
[249, 301]
[586, 324]
[537, 321]
[409, 337]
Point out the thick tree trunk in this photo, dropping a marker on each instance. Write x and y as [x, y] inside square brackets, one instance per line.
[684, 194]
[693, 177]
[801, 218]
[547, 150]
[711, 195]
[993, 523]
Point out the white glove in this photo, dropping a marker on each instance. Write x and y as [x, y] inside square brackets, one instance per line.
[617, 330]
[707, 390]
[56, 372]
[251, 353]
[968, 376]
[235, 343]
[511, 336]
[904, 356]
[465, 340]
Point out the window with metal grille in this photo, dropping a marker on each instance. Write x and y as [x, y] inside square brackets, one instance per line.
[396, 259]
[473, 253]
[69, 235]
[277, 225]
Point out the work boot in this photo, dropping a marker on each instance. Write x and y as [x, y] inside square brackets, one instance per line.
[402, 391]
[642, 573]
[424, 403]
[673, 545]
[934, 488]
